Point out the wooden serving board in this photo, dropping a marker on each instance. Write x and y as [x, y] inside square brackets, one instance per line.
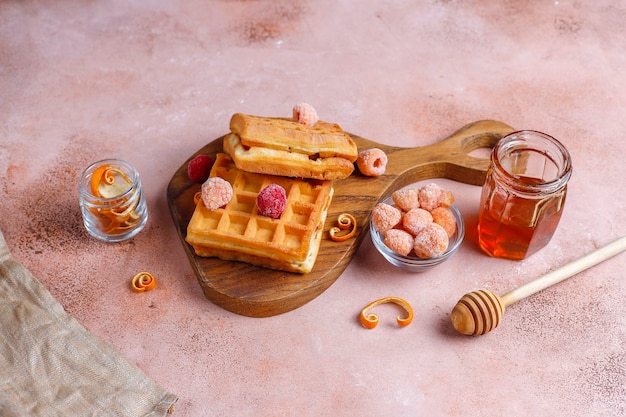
[259, 292]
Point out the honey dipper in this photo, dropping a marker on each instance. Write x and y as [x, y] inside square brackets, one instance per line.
[479, 312]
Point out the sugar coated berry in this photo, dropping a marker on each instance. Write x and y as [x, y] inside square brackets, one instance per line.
[271, 201]
[199, 168]
[216, 193]
[431, 242]
[399, 241]
[305, 113]
[444, 217]
[432, 196]
[415, 220]
[406, 198]
[372, 162]
[446, 198]
[385, 217]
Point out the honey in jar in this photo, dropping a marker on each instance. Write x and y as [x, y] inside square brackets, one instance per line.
[523, 195]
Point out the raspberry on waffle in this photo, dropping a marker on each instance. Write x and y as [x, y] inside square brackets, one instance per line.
[238, 232]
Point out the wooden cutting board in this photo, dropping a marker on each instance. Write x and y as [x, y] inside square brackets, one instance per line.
[259, 292]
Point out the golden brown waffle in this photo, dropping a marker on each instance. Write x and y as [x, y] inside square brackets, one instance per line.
[237, 232]
[322, 139]
[285, 163]
[278, 146]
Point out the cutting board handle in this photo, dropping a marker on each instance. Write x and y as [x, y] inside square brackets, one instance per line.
[449, 158]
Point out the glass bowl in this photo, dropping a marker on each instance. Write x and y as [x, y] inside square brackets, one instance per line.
[413, 263]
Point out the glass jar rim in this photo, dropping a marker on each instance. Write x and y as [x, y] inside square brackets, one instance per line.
[132, 173]
[553, 150]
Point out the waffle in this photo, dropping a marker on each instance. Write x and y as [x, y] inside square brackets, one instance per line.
[279, 146]
[285, 163]
[322, 139]
[237, 232]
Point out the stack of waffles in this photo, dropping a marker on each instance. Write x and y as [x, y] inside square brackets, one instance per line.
[238, 232]
[283, 147]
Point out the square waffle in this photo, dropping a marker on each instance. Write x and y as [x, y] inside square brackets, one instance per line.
[237, 232]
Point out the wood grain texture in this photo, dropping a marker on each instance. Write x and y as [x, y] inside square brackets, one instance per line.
[259, 292]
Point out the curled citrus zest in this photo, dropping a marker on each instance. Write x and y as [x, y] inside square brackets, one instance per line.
[103, 177]
[117, 215]
[123, 214]
[369, 321]
[197, 197]
[96, 178]
[109, 175]
[344, 221]
[143, 281]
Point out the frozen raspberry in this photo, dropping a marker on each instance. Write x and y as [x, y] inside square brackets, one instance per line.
[372, 162]
[305, 113]
[444, 217]
[199, 168]
[432, 196]
[399, 241]
[216, 193]
[415, 220]
[431, 242]
[385, 217]
[271, 201]
[406, 198]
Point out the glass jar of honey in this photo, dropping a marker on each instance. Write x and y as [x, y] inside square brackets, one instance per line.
[523, 195]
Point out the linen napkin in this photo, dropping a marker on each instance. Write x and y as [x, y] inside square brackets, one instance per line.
[50, 365]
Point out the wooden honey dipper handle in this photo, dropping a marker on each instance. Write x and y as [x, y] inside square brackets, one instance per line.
[480, 311]
[591, 259]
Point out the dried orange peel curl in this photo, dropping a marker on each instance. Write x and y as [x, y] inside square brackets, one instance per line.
[104, 183]
[143, 281]
[344, 221]
[369, 321]
[197, 197]
[118, 213]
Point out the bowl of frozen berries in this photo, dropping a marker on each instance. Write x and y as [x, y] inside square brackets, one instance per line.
[417, 227]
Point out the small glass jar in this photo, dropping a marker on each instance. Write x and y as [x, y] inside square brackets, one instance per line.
[523, 195]
[112, 201]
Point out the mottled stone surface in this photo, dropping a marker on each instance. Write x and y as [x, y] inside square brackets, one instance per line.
[152, 82]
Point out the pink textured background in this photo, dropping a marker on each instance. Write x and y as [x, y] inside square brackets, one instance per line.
[152, 82]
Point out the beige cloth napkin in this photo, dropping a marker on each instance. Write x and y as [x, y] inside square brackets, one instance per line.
[50, 365]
